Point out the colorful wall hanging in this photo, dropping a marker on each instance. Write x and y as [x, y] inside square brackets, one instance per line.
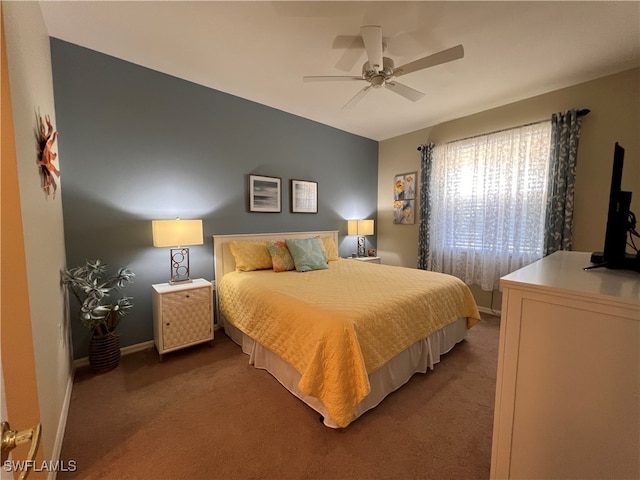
[46, 137]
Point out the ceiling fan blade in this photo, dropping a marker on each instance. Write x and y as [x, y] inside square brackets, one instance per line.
[357, 97]
[448, 55]
[348, 42]
[330, 78]
[407, 92]
[372, 38]
[353, 47]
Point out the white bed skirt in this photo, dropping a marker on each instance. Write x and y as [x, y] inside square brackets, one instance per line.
[419, 357]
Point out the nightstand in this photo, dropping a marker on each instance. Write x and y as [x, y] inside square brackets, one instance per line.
[368, 259]
[182, 315]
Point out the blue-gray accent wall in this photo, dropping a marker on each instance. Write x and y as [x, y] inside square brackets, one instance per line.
[137, 145]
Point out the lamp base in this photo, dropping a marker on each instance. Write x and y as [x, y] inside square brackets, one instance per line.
[179, 265]
[361, 252]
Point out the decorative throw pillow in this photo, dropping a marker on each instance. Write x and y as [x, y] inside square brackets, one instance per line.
[307, 253]
[280, 256]
[250, 255]
[330, 248]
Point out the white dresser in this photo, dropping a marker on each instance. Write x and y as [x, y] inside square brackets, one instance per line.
[568, 386]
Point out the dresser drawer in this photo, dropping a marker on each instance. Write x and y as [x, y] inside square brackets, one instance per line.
[184, 296]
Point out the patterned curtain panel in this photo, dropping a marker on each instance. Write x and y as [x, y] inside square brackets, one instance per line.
[425, 206]
[565, 133]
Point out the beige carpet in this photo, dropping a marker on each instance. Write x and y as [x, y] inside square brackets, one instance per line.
[204, 413]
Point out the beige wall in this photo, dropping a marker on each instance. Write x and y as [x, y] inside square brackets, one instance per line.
[31, 81]
[614, 102]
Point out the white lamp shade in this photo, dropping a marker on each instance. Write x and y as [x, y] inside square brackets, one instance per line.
[359, 227]
[177, 233]
[365, 227]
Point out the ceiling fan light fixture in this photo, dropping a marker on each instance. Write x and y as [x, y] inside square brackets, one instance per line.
[378, 81]
[385, 77]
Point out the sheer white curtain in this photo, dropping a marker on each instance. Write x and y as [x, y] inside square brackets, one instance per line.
[488, 197]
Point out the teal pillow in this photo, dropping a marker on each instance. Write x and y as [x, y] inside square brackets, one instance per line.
[307, 253]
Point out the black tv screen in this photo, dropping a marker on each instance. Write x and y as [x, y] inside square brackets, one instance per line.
[615, 240]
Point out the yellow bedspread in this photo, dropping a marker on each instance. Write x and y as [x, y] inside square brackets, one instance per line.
[336, 326]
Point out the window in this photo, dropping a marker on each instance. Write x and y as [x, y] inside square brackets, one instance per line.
[488, 199]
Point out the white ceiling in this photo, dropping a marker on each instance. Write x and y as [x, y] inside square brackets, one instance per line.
[261, 50]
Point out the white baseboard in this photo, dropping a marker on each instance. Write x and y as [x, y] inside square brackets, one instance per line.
[138, 347]
[490, 311]
[62, 426]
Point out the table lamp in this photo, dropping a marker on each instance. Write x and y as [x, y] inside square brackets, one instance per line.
[360, 228]
[177, 234]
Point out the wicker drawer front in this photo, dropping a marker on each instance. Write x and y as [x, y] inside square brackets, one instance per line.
[182, 315]
[186, 322]
[186, 296]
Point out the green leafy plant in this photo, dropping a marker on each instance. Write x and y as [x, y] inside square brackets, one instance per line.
[89, 286]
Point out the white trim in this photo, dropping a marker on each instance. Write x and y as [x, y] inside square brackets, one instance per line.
[62, 426]
[490, 311]
[138, 347]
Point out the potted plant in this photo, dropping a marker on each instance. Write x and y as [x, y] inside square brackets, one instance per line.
[98, 311]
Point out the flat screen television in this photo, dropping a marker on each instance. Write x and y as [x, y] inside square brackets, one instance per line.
[618, 223]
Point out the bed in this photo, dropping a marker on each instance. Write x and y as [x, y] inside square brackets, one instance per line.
[343, 335]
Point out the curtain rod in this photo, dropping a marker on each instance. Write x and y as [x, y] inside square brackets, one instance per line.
[581, 113]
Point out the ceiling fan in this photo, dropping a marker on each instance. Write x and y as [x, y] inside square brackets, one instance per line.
[380, 71]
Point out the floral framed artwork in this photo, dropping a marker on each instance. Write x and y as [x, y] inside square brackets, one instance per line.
[304, 196]
[404, 198]
[265, 194]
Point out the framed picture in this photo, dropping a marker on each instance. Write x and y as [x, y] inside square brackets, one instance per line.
[404, 186]
[404, 198]
[264, 194]
[404, 212]
[304, 196]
